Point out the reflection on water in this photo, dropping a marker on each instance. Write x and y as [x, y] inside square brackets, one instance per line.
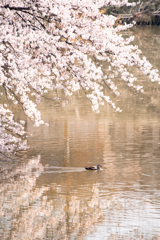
[56, 169]
[50, 195]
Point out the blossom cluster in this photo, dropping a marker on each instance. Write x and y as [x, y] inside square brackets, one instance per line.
[59, 45]
[12, 134]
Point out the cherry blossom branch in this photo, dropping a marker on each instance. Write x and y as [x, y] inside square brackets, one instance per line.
[61, 45]
[15, 8]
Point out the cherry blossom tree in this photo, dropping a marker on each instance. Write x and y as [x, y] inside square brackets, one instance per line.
[52, 45]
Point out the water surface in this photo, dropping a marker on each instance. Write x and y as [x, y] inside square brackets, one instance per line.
[48, 194]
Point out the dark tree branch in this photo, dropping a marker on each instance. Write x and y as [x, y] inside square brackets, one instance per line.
[21, 17]
[15, 8]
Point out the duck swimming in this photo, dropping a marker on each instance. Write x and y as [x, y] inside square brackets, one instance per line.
[93, 167]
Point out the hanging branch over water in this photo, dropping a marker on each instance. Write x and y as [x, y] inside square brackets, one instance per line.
[50, 46]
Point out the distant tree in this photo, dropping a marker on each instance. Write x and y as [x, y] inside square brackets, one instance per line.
[145, 12]
[56, 44]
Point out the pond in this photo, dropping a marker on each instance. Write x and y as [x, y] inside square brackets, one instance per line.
[48, 194]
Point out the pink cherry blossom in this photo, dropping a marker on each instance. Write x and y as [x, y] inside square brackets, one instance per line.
[49, 45]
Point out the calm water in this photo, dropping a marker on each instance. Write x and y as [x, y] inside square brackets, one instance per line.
[48, 194]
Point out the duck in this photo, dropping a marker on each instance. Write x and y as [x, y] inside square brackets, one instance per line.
[93, 167]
